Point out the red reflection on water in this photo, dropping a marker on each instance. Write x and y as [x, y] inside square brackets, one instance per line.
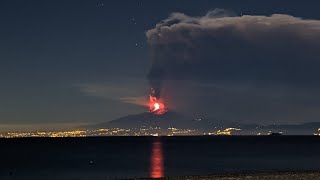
[156, 160]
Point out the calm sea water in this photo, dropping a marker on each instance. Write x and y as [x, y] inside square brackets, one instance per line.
[129, 157]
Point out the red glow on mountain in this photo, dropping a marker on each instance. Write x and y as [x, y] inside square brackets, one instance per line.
[156, 106]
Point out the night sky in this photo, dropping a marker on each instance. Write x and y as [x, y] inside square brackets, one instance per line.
[67, 63]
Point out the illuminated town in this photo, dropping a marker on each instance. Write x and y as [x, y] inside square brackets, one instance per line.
[143, 131]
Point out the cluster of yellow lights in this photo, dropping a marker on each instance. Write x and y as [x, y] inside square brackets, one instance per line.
[175, 132]
[75, 133]
[227, 131]
[142, 131]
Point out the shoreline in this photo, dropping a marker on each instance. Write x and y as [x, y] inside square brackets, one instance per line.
[278, 175]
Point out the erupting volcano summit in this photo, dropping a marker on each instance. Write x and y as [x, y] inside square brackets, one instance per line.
[156, 105]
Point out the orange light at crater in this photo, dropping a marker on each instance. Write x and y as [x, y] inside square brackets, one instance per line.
[157, 106]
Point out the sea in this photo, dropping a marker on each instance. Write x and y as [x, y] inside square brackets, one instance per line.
[139, 157]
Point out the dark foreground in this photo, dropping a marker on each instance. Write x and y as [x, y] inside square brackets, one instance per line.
[254, 176]
[136, 157]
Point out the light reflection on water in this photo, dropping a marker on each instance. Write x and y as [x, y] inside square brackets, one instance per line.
[156, 170]
[136, 157]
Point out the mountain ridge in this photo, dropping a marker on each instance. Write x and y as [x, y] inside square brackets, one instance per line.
[180, 121]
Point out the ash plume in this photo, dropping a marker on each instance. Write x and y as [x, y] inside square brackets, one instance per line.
[244, 67]
[223, 46]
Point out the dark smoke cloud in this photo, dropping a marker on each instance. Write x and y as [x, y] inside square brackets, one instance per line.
[223, 48]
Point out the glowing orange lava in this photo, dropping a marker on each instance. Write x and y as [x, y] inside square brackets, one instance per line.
[157, 106]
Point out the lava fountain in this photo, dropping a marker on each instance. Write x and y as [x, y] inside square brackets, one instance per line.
[156, 106]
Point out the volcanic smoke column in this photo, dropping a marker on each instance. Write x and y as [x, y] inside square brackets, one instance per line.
[215, 57]
[156, 78]
[155, 75]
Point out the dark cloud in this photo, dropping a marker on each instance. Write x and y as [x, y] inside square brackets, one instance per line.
[264, 51]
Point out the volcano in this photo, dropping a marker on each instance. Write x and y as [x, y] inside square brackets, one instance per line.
[174, 119]
[156, 105]
[169, 119]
